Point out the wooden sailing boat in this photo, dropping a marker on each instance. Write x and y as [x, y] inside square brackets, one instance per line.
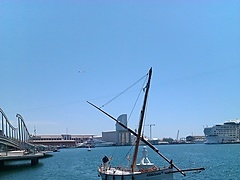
[145, 169]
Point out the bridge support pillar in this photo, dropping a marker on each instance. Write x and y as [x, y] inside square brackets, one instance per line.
[34, 161]
[1, 164]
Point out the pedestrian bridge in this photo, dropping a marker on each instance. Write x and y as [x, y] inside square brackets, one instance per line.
[14, 138]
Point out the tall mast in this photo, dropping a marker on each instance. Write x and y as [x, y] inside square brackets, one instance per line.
[141, 121]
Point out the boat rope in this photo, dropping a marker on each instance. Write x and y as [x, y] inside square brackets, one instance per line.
[113, 152]
[142, 138]
[128, 154]
[137, 98]
[144, 120]
[122, 92]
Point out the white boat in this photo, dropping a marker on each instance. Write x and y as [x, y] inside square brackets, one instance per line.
[145, 169]
[16, 153]
[94, 143]
[100, 143]
[227, 132]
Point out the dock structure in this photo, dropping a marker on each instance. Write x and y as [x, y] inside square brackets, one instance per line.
[14, 138]
[16, 144]
[19, 157]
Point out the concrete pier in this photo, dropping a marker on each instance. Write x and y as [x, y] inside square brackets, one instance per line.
[32, 157]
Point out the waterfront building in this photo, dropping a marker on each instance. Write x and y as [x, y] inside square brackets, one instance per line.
[63, 140]
[120, 136]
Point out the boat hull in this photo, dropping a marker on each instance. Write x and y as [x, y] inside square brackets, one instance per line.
[115, 174]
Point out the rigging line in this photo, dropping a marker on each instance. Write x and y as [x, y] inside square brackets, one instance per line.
[145, 117]
[122, 92]
[200, 74]
[142, 138]
[142, 88]
[114, 152]
[127, 153]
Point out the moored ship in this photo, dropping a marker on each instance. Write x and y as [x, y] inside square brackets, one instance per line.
[228, 132]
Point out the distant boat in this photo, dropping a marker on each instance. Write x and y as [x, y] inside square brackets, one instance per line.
[145, 169]
[94, 143]
[47, 153]
[89, 148]
[89, 143]
[56, 150]
[100, 143]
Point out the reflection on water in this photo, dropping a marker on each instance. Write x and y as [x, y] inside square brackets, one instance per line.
[220, 162]
[19, 166]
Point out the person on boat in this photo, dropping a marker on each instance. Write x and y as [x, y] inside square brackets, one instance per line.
[105, 162]
[145, 164]
[145, 159]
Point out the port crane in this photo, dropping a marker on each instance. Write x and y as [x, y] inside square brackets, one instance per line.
[150, 125]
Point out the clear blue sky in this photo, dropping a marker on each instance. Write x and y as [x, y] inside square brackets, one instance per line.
[193, 47]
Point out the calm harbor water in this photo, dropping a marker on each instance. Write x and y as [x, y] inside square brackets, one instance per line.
[221, 162]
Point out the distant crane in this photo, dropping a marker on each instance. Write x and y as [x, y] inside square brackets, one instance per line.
[150, 125]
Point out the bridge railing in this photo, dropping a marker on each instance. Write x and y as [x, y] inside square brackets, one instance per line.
[7, 128]
[20, 135]
[24, 135]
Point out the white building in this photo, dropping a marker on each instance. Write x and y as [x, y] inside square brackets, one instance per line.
[121, 136]
[223, 133]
